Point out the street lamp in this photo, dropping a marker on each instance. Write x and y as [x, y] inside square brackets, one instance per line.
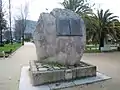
[10, 21]
[0, 23]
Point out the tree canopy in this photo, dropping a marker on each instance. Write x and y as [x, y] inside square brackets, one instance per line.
[3, 26]
[78, 6]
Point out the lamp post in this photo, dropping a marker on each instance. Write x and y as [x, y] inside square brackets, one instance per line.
[10, 21]
[0, 22]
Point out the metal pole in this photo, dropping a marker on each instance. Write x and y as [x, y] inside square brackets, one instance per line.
[10, 21]
[0, 22]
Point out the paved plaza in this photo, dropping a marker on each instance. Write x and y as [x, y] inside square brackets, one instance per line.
[107, 63]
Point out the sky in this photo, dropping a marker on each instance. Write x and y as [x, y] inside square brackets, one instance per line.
[38, 6]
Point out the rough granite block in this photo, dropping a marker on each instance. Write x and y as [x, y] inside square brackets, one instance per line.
[33, 66]
[68, 74]
[74, 73]
[47, 77]
[60, 34]
[80, 72]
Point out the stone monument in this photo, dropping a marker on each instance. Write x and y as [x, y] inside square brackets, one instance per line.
[60, 41]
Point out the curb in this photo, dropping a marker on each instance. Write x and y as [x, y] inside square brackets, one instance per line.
[14, 52]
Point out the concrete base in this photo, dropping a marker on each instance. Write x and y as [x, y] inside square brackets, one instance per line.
[97, 82]
[46, 73]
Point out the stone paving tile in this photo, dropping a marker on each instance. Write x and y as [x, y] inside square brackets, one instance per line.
[89, 80]
[61, 85]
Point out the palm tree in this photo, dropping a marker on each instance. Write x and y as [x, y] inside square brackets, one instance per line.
[98, 25]
[103, 26]
[91, 29]
[78, 6]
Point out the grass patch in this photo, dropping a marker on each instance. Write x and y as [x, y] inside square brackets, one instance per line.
[92, 51]
[8, 48]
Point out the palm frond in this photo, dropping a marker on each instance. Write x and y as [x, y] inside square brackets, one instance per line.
[110, 18]
[78, 6]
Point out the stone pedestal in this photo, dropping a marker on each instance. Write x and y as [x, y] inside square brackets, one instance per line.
[98, 82]
[47, 73]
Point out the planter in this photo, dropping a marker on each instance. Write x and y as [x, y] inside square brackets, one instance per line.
[43, 74]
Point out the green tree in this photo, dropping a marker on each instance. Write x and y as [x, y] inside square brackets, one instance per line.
[103, 26]
[98, 26]
[78, 6]
[21, 20]
[3, 26]
[91, 29]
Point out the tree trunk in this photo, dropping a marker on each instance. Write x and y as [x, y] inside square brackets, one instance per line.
[0, 36]
[23, 40]
[101, 43]
[11, 40]
[23, 36]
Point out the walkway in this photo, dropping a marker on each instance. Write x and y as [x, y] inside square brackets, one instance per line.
[10, 68]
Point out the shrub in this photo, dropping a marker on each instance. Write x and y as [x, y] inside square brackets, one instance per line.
[27, 39]
[2, 45]
[7, 42]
